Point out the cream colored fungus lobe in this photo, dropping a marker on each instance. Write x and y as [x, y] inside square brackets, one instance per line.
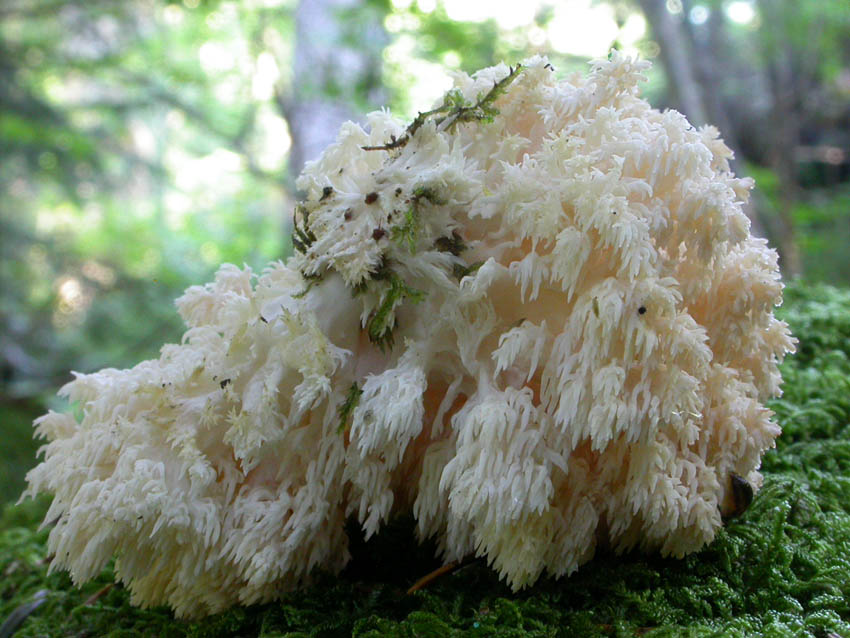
[535, 318]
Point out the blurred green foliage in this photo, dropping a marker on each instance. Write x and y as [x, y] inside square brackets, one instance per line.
[821, 222]
[780, 570]
[112, 129]
[17, 454]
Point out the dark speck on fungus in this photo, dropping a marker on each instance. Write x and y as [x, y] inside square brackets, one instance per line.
[371, 198]
[642, 310]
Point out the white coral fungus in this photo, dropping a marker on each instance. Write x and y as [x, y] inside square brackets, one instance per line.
[535, 318]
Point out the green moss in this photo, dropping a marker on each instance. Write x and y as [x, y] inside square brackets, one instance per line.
[408, 230]
[782, 569]
[460, 271]
[382, 321]
[454, 244]
[17, 453]
[347, 407]
[302, 236]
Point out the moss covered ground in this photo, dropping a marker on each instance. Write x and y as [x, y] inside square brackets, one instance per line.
[782, 569]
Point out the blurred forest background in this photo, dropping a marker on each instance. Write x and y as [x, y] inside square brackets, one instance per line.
[144, 142]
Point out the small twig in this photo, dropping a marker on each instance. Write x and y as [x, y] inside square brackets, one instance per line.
[454, 108]
[414, 126]
[91, 600]
[427, 579]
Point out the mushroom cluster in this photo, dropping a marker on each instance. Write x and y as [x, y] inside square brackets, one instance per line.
[535, 318]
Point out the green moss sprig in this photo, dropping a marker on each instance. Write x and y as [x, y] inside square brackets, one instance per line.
[408, 230]
[460, 271]
[453, 244]
[347, 407]
[382, 321]
[302, 236]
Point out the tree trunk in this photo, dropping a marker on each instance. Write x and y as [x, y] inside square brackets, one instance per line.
[676, 55]
[691, 66]
[785, 140]
[706, 46]
[337, 73]
[786, 126]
